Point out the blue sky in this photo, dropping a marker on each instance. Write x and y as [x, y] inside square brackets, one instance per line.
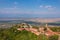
[30, 8]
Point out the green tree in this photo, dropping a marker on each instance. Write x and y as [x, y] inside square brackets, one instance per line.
[54, 37]
[42, 37]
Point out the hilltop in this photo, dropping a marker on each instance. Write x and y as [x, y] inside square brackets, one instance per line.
[25, 31]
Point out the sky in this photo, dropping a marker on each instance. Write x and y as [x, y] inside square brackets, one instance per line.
[30, 8]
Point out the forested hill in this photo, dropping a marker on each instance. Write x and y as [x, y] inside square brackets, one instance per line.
[13, 34]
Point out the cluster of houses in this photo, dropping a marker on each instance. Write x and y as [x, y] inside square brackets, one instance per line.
[36, 31]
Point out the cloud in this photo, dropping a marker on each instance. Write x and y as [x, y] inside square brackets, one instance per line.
[49, 7]
[10, 10]
[15, 3]
[19, 11]
[41, 6]
[16, 10]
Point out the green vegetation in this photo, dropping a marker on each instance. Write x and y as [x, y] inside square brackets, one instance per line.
[55, 29]
[42, 37]
[54, 37]
[13, 34]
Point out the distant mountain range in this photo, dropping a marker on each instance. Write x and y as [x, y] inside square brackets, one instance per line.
[50, 21]
[42, 20]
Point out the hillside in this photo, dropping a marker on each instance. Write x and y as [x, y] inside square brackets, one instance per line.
[14, 34]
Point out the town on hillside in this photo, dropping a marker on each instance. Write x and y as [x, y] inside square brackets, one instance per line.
[40, 30]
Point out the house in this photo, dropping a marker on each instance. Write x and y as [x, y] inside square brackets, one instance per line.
[36, 31]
